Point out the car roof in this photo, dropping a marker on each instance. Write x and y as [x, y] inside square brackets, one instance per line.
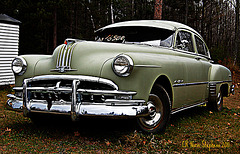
[170, 25]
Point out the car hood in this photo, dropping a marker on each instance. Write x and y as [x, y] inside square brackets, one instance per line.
[83, 58]
[88, 57]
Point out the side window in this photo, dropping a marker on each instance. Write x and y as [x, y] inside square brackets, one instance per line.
[201, 47]
[184, 41]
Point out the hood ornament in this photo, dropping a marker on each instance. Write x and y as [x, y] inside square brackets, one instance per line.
[64, 58]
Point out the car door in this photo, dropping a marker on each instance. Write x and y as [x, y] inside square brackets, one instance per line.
[193, 70]
[204, 58]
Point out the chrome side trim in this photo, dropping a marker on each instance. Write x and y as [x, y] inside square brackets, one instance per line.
[218, 82]
[187, 107]
[190, 84]
[212, 90]
[199, 83]
[149, 66]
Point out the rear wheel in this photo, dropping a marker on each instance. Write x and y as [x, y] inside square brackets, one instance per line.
[159, 109]
[216, 104]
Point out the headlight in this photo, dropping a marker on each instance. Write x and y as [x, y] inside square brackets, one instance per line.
[122, 65]
[19, 66]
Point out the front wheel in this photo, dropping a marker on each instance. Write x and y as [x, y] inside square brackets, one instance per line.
[159, 111]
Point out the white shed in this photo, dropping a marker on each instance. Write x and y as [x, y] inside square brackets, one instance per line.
[9, 40]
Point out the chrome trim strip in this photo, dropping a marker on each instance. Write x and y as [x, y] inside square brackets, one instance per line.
[83, 91]
[199, 83]
[61, 69]
[187, 107]
[67, 57]
[74, 77]
[18, 88]
[150, 66]
[108, 92]
[63, 55]
[66, 89]
[108, 82]
[11, 96]
[70, 58]
[212, 89]
[218, 82]
[58, 57]
[124, 102]
[70, 77]
[189, 84]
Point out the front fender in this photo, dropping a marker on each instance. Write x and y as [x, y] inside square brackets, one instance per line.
[32, 61]
[140, 80]
[147, 69]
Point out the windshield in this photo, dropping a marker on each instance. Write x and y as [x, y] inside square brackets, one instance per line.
[137, 35]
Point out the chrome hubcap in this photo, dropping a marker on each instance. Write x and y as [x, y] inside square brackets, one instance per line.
[155, 109]
[219, 100]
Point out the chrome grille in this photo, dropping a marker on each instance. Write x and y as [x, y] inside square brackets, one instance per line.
[46, 89]
[68, 83]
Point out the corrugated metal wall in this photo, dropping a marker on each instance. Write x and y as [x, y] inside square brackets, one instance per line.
[9, 38]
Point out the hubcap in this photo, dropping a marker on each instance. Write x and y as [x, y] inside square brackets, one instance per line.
[219, 100]
[155, 108]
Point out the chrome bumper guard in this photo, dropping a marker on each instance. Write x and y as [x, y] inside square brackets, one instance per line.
[76, 108]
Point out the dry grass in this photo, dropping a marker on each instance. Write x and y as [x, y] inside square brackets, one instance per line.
[192, 131]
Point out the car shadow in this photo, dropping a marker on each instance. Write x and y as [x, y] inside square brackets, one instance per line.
[53, 126]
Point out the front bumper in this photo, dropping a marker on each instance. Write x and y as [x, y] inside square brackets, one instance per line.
[75, 107]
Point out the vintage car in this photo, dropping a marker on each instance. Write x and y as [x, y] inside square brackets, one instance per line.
[147, 70]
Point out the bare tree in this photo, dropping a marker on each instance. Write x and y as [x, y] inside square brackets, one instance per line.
[237, 31]
[186, 12]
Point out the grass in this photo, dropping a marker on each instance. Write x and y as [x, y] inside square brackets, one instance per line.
[192, 131]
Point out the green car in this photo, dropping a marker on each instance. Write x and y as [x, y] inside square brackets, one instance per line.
[147, 69]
